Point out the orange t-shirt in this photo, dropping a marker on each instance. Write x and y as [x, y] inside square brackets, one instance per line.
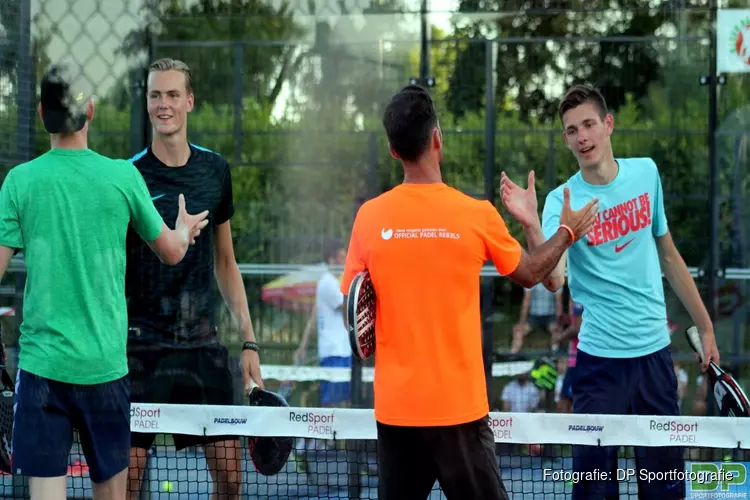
[424, 246]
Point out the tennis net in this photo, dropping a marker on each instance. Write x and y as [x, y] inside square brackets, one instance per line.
[336, 454]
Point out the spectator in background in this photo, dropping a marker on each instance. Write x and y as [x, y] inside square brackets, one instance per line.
[333, 340]
[521, 395]
[562, 370]
[565, 402]
[540, 309]
[700, 403]
[682, 379]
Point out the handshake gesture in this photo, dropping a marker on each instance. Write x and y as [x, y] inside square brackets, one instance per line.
[522, 204]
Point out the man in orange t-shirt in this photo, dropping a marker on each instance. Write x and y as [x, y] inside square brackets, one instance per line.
[424, 245]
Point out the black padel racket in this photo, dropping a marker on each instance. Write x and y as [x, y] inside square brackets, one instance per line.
[7, 396]
[360, 315]
[730, 398]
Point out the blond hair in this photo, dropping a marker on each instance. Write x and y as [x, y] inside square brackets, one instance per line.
[167, 64]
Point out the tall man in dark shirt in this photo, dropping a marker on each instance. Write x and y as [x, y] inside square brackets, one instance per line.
[173, 350]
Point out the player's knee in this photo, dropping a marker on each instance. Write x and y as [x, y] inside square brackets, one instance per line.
[227, 482]
[136, 467]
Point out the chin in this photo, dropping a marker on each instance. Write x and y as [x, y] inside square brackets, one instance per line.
[167, 131]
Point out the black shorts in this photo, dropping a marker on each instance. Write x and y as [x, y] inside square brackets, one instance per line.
[47, 411]
[460, 457]
[645, 385]
[179, 376]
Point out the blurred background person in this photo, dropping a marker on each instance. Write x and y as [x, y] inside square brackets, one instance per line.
[570, 335]
[540, 309]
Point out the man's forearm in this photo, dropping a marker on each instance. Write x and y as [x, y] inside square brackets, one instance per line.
[534, 239]
[547, 256]
[539, 263]
[232, 289]
[682, 283]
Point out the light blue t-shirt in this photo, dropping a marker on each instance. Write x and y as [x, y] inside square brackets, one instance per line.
[614, 271]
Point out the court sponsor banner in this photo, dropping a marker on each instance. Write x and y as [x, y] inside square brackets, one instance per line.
[521, 428]
[145, 418]
[733, 41]
[716, 432]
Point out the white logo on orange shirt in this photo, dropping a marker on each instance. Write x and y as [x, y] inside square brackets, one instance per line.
[421, 233]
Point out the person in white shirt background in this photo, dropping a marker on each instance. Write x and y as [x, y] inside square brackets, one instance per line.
[540, 309]
[520, 395]
[333, 341]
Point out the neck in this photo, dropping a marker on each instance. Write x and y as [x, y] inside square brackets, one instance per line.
[422, 172]
[172, 151]
[602, 173]
[76, 140]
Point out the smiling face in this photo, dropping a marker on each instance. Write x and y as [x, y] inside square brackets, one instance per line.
[170, 99]
[587, 130]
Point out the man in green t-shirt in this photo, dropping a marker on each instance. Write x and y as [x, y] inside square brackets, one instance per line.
[68, 211]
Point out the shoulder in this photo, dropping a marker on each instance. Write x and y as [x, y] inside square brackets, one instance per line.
[208, 157]
[637, 166]
[139, 158]
[126, 167]
[328, 285]
[27, 167]
[556, 195]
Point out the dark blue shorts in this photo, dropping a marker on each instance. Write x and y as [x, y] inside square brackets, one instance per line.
[46, 412]
[566, 391]
[334, 393]
[629, 386]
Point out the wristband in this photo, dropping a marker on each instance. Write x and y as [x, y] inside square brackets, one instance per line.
[251, 346]
[570, 232]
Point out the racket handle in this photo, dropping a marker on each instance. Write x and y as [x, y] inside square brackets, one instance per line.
[694, 339]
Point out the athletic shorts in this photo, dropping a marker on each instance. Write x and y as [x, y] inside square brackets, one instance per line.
[541, 321]
[638, 386]
[196, 376]
[461, 457]
[334, 393]
[47, 411]
[566, 391]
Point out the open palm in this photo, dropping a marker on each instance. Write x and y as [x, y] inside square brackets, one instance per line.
[521, 203]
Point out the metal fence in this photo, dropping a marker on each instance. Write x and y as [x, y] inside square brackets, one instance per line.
[294, 104]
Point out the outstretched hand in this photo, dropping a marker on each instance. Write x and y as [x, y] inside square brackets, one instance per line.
[579, 221]
[521, 203]
[190, 224]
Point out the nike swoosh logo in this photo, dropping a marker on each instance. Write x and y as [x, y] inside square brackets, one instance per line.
[156, 197]
[619, 248]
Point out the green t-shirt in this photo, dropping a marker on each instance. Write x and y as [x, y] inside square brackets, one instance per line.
[69, 212]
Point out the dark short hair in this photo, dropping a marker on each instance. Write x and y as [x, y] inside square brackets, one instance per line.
[330, 249]
[581, 94]
[409, 120]
[64, 98]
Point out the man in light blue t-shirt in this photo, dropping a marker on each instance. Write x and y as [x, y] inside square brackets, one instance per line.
[624, 363]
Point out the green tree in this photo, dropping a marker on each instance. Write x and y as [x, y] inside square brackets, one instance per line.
[256, 28]
[534, 62]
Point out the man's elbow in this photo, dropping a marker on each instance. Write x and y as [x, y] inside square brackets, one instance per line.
[171, 256]
[169, 247]
[554, 283]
